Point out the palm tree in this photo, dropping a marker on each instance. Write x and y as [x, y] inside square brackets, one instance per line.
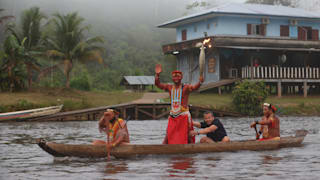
[12, 64]
[31, 32]
[68, 43]
[31, 27]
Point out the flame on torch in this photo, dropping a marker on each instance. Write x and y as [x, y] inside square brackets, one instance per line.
[207, 41]
[204, 43]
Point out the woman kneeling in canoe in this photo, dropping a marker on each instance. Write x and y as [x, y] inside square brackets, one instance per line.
[270, 124]
[115, 128]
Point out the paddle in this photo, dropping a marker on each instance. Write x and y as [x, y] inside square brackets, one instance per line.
[128, 118]
[108, 140]
[257, 134]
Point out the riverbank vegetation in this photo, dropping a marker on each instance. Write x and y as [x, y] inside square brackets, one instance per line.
[76, 99]
[71, 99]
[287, 105]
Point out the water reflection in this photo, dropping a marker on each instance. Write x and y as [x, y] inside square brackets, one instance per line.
[20, 158]
[115, 167]
[213, 161]
[181, 167]
[269, 159]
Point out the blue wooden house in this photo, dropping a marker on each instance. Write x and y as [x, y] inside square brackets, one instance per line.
[279, 45]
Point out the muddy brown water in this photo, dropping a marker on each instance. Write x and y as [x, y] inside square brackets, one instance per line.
[21, 158]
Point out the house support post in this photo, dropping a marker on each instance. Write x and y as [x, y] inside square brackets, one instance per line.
[279, 89]
[305, 90]
[154, 111]
[136, 112]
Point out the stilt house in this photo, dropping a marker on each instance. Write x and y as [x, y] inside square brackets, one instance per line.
[279, 45]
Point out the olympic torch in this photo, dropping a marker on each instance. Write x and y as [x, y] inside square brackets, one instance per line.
[202, 55]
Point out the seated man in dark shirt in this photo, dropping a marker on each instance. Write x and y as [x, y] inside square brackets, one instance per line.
[212, 127]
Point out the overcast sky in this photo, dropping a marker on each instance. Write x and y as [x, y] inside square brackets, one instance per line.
[117, 11]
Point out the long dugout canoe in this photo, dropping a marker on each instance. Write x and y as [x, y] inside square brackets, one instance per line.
[123, 151]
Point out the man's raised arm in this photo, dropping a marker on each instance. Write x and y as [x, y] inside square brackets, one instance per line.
[196, 86]
[157, 82]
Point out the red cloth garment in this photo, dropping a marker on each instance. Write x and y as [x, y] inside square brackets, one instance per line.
[177, 130]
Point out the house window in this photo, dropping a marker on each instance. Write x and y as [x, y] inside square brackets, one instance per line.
[195, 29]
[284, 31]
[256, 29]
[306, 33]
[309, 34]
[184, 35]
[208, 26]
[315, 34]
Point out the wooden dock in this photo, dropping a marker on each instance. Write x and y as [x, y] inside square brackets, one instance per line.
[132, 111]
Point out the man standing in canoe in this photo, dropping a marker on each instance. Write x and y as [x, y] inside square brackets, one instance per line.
[115, 128]
[212, 127]
[270, 124]
[179, 121]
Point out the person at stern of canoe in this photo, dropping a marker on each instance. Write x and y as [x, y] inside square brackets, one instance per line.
[212, 127]
[270, 124]
[115, 128]
[179, 121]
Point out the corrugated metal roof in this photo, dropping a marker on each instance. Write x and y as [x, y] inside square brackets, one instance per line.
[271, 48]
[244, 9]
[140, 80]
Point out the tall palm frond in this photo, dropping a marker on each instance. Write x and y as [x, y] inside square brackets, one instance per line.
[68, 43]
[31, 26]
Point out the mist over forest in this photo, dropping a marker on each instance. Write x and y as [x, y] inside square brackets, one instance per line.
[132, 41]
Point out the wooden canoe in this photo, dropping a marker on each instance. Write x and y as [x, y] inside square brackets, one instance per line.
[98, 151]
[32, 113]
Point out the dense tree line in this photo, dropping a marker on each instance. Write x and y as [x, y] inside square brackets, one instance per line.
[59, 51]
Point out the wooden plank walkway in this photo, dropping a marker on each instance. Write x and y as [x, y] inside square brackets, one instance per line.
[133, 111]
[146, 108]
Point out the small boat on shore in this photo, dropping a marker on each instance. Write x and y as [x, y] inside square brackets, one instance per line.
[32, 113]
[99, 151]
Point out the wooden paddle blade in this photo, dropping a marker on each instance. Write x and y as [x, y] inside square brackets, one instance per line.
[257, 134]
[158, 68]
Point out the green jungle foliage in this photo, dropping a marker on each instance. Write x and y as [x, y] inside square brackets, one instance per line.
[81, 81]
[54, 51]
[22, 104]
[247, 97]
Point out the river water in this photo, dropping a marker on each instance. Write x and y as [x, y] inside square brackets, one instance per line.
[21, 158]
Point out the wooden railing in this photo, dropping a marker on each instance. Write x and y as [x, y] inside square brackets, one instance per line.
[275, 72]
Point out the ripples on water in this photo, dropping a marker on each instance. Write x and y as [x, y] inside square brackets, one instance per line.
[21, 158]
